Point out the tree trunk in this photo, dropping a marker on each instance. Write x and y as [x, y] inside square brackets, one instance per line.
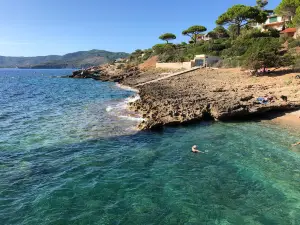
[194, 39]
[238, 29]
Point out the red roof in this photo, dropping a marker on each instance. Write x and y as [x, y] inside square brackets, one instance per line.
[289, 30]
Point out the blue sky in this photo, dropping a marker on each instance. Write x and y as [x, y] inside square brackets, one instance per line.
[44, 27]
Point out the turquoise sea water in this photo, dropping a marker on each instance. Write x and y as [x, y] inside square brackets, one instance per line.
[66, 159]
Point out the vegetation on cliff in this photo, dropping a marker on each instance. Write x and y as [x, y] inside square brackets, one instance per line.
[194, 31]
[167, 37]
[241, 16]
[239, 43]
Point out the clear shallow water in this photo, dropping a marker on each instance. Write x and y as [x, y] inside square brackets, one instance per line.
[65, 160]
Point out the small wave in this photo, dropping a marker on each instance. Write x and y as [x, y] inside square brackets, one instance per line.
[132, 99]
[138, 119]
[126, 88]
[121, 110]
[121, 106]
[109, 108]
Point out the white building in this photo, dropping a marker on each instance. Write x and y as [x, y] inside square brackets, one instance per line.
[203, 37]
[273, 22]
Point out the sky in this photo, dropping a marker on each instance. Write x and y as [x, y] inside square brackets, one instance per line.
[57, 27]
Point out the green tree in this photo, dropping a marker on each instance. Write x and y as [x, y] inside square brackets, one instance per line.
[233, 31]
[241, 15]
[242, 43]
[290, 8]
[264, 53]
[261, 4]
[136, 56]
[193, 31]
[213, 35]
[167, 37]
[296, 19]
[221, 32]
[159, 49]
[287, 7]
[147, 54]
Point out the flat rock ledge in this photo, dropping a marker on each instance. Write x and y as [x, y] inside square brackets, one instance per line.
[220, 95]
[159, 112]
[106, 72]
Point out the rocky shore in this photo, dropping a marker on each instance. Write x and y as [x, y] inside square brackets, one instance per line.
[223, 94]
[106, 72]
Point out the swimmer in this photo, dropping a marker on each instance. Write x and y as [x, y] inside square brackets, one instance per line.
[195, 150]
[298, 143]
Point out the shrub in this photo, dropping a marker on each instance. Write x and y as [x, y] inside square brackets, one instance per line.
[294, 43]
[296, 65]
[163, 48]
[147, 54]
[232, 62]
[264, 52]
[120, 66]
[273, 33]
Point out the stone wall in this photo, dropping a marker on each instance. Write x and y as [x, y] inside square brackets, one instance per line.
[181, 65]
[187, 65]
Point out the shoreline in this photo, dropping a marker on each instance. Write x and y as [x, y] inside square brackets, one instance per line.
[130, 114]
[288, 120]
[220, 95]
[127, 88]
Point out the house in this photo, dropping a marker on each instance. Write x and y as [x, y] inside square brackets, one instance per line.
[273, 22]
[203, 37]
[198, 61]
[289, 32]
[276, 22]
[205, 60]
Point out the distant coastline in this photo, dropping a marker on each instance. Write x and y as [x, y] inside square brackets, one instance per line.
[81, 59]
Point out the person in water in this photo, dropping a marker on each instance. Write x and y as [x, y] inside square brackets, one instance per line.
[298, 143]
[195, 150]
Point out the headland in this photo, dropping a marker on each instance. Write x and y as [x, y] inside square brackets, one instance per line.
[202, 94]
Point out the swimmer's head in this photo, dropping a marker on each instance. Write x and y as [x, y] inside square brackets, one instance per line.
[195, 146]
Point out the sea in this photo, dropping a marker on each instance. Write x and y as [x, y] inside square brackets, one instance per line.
[70, 154]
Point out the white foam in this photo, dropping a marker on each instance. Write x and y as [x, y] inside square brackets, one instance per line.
[127, 88]
[109, 108]
[132, 99]
[121, 109]
[138, 119]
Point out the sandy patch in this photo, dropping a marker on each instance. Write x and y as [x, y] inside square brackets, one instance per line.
[289, 120]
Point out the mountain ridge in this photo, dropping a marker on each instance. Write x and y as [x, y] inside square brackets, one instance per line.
[79, 59]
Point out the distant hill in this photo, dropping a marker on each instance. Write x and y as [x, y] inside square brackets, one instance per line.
[72, 60]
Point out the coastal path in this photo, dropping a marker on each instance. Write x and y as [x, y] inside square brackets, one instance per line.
[168, 76]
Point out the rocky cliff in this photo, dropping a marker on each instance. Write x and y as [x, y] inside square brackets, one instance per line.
[224, 94]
